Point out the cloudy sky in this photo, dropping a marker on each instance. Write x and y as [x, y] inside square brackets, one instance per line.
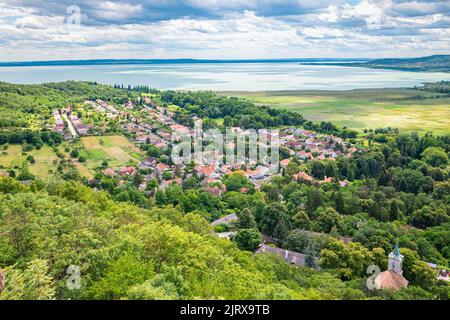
[222, 29]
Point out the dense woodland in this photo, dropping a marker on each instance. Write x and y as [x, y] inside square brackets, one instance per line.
[133, 246]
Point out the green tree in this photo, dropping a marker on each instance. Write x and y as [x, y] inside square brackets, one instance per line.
[74, 153]
[314, 199]
[248, 239]
[155, 289]
[422, 275]
[32, 283]
[301, 221]
[119, 276]
[246, 220]
[435, 156]
[329, 218]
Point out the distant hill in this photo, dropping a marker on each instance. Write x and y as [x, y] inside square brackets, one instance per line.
[435, 63]
[169, 61]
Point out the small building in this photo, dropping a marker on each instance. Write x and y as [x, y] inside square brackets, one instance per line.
[302, 176]
[109, 172]
[226, 235]
[289, 256]
[127, 171]
[284, 163]
[392, 279]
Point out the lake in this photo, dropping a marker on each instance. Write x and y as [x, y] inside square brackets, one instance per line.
[271, 76]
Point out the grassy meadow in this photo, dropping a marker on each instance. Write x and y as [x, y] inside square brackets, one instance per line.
[366, 108]
[116, 150]
[13, 158]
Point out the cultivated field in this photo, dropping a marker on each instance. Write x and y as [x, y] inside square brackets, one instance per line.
[116, 150]
[44, 157]
[362, 109]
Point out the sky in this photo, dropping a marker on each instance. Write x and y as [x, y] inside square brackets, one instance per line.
[222, 29]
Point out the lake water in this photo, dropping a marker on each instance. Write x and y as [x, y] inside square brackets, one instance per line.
[225, 76]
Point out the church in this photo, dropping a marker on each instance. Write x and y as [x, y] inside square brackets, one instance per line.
[392, 279]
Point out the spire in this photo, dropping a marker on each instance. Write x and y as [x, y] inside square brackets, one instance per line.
[396, 252]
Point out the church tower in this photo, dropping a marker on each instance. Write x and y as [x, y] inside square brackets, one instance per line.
[395, 261]
[392, 279]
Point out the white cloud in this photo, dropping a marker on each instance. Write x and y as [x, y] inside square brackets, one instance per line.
[115, 10]
[367, 28]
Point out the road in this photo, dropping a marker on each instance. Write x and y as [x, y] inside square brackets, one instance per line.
[71, 128]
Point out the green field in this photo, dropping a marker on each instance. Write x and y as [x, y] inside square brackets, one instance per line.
[14, 159]
[116, 150]
[360, 109]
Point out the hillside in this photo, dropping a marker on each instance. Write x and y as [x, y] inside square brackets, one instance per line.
[435, 63]
[126, 252]
[111, 201]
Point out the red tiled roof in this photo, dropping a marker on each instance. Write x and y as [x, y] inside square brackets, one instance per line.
[390, 280]
[284, 162]
[303, 176]
[127, 170]
[109, 172]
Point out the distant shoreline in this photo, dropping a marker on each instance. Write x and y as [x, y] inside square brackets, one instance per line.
[172, 61]
[435, 63]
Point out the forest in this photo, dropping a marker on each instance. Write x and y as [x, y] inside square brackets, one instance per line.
[158, 243]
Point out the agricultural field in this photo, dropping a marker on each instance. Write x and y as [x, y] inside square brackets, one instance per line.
[360, 109]
[13, 158]
[117, 151]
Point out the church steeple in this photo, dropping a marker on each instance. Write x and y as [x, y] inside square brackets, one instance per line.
[396, 252]
[395, 260]
[392, 279]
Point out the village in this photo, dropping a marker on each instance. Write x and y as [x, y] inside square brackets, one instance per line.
[154, 125]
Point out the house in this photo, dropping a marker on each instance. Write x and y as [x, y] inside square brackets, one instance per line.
[59, 122]
[161, 145]
[320, 157]
[392, 279]
[259, 173]
[302, 176]
[226, 235]
[326, 180]
[206, 172]
[161, 167]
[142, 139]
[164, 184]
[148, 163]
[243, 190]
[443, 275]
[289, 256]
[127, 171]
[344, 183]
[304, 155]
[68, 135]
[284, 163]
[109, 172]
[82, 129]
[216, 191]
